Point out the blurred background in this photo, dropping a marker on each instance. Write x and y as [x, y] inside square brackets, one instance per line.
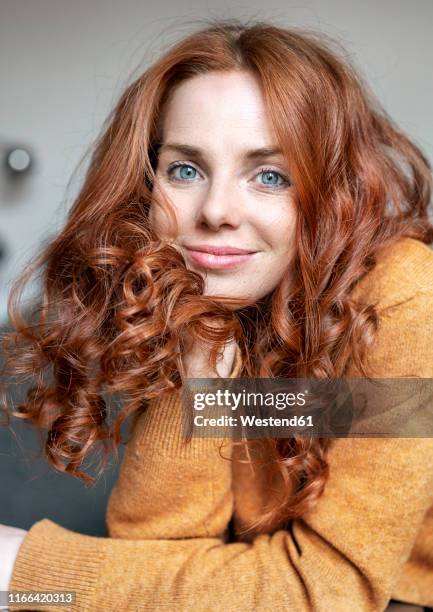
[63, 65]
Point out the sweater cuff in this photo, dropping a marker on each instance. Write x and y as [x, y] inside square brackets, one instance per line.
[52, 558]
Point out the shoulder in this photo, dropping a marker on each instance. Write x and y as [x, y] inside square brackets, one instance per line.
[401, 288]
[402, 271]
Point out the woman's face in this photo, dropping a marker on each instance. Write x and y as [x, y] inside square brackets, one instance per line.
[226, 192]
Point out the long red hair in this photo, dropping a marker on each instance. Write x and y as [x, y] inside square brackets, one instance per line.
[117, 303]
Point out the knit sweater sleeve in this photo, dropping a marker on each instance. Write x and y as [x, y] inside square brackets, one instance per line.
[345, 553]
[168, 488]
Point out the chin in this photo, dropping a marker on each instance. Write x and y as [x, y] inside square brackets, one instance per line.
[230, 293]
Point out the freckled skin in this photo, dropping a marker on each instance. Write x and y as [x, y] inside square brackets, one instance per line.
[225, 199]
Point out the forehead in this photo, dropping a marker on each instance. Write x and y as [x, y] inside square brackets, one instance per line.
[222, 109]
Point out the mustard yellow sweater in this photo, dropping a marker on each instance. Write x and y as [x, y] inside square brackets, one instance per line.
[369, 539]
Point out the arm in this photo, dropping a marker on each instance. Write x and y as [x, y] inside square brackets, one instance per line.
[169, 489]
[166, 488]
[349, 550]
[353, 545]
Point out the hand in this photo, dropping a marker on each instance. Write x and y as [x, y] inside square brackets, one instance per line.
[10, 541]
[196, 360]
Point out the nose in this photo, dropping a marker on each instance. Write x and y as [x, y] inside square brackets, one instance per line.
[221, 204]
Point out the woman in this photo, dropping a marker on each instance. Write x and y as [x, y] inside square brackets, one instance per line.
[256, 138]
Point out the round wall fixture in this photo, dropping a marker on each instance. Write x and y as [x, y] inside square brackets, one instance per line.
[18, 160]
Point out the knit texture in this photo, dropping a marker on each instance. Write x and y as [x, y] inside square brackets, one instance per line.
[369, 538]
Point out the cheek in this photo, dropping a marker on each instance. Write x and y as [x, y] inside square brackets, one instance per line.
[279, 227]
[158, 218]
[170, 227]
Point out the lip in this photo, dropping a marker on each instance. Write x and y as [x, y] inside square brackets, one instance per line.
[213, 261]
[218, 250]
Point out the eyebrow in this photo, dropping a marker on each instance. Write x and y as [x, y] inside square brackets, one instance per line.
[188, 150]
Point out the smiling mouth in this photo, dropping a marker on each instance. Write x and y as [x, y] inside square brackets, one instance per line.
[218, 250]
[218, 262]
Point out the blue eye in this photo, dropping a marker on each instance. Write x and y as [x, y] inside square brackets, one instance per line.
[187, 172]
[268, 173]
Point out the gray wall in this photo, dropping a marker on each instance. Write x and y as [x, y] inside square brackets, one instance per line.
[63, 64]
